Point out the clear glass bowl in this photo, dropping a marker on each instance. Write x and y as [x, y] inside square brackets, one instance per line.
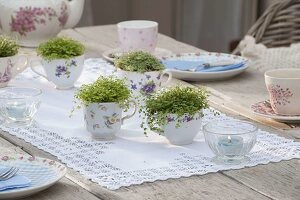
[19, 105]
[230, 141]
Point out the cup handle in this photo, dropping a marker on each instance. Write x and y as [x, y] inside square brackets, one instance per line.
[21, 64]
[34, 64]
[132, 114]
[169, 77]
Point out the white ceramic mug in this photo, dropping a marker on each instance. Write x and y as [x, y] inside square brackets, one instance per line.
[104, 120]
[284, 90]
[11, 66]
[138, 35]
[144, 83]
[62, 72]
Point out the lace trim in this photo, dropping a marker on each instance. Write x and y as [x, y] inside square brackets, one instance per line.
[86, 156]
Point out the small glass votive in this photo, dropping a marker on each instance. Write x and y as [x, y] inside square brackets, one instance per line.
[230, 141]
[19, 105]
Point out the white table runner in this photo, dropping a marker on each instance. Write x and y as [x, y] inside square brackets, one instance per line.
[131, 158]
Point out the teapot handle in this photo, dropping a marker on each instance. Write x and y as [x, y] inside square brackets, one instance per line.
[75, 12]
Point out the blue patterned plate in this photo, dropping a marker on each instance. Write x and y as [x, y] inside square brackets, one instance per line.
[42, 172]
[206, 57]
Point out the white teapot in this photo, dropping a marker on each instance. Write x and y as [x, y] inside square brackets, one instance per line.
[34, 21]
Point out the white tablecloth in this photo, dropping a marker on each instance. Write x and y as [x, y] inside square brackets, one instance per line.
[131, 158]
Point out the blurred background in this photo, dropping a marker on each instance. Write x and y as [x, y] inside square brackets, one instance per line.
[213, 25]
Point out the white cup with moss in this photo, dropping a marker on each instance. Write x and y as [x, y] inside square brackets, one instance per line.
[144, 73]
[62, 61]
[175, 113]
[10, 62]
[104, 102]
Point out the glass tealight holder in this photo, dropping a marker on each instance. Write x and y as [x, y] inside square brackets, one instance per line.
[18, 105]
[230, 141]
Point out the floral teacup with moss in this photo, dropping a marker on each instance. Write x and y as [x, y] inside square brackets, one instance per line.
[145, 83]
[104, 120]
[144, 72]
[62, 72]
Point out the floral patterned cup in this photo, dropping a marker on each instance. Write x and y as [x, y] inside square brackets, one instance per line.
[62, 72]
[9, 67]
[104, 120]
[189, 127]
[138, 35]
[144, 83]
[284, 90]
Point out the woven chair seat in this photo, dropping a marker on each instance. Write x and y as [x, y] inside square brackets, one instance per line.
[278, 26]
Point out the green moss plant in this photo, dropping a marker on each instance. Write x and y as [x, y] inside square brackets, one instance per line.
[8, 46]
[138, 61]
[104, 90]
[60, 48]
[179, 100]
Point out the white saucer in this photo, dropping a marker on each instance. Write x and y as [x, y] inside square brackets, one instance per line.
[42, 172]
[206, 57]
[264, 109]
[109, 55]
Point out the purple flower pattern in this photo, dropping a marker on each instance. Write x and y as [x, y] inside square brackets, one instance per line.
[64, 15]
[63, 70]
[73, 63]
[187, 118]
[279, 96]
[146, 85]
[170, 119]
[7, 75]
[27, 17]
[184, 119]
[148, 88]
[133, 87]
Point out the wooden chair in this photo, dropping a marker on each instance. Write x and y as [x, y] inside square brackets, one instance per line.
[278, 26]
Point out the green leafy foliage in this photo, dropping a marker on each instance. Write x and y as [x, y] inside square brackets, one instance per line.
[105, 90]
[138, 61]
[8, 46]
[177, 100]
[60, 48]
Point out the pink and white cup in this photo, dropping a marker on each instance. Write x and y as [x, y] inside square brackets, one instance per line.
[138, 35]
[284, 90]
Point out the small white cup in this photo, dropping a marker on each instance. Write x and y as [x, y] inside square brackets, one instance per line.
[62, 72]
[284, 90]
[138, 35]
[10, 67]
[190, 126]
[104, 120]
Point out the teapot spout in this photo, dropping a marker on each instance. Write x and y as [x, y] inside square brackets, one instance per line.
[76, 9]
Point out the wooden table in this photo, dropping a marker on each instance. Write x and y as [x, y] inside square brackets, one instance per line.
[273, 181]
